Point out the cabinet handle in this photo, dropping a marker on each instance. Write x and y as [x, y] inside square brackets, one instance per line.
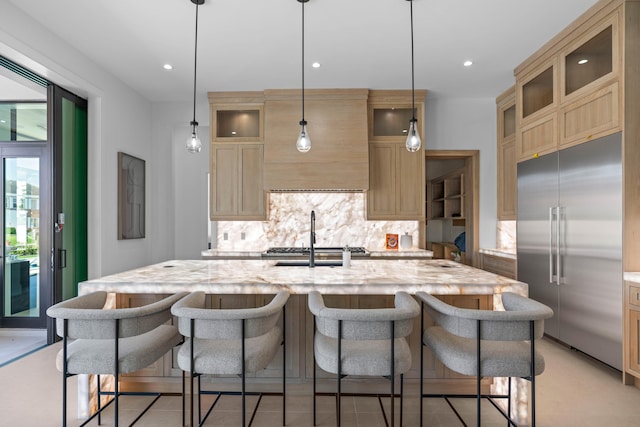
[551, 269]
[558, 245]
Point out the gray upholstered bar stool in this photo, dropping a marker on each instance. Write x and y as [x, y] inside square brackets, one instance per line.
[367, 342]
[486, 343]
[230, 342]
[111, 341]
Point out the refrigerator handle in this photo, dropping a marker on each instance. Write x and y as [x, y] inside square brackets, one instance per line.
[558, 246]
[551, 276]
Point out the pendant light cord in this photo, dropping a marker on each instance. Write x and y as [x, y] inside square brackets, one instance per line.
[195, 68]
[413, 101]
[303, 121]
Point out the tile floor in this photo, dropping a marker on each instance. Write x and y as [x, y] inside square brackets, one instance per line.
[573, 391]
[15, 343]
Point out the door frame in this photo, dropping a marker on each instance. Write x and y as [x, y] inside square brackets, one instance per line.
[472, 203]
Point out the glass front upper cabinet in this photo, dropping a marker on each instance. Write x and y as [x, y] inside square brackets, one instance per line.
[537, 93]
[238, 124]
[391, 122]
[590, 61]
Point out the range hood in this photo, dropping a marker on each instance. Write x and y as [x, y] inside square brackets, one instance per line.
[337, 124]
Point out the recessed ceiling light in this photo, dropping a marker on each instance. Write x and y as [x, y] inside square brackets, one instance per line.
[583, 61]
[316, 65]
[467, 63]
[3, 121]
[167, 67]
[233, 132]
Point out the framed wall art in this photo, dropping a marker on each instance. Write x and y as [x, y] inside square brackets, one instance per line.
[131, 197]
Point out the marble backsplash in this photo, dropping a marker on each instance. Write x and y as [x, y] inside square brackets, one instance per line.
[340, 221]
[506, 235]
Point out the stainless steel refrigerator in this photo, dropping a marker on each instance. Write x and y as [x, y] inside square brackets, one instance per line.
[569, 240]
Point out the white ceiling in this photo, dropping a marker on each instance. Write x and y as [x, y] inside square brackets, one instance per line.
[256, 44]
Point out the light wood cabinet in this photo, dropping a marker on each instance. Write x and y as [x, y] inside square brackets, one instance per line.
[536, 108]
[568, 92]
[337, 126]
[237, 191]
[591, 116]
[396, 176]
[395, 183]
[506, 149]
[236, 116]
[632, 329]
[447, 196]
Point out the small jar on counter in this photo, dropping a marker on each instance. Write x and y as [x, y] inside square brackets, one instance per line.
[346, 257]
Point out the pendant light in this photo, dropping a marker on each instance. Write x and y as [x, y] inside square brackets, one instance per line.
[413, 142]
[303, 144]
[194, 145]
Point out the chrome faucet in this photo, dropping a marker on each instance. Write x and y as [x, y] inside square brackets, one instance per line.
[312, 240]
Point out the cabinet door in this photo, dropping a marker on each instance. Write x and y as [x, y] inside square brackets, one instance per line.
[507, 180]
[590, 60]
[633, 341]
[381, 197]
[224, 181]
[592, 116]
[410, 195]
[536, 93]
[537, 138]
[506, 146]
[237, 191]
[251, 197]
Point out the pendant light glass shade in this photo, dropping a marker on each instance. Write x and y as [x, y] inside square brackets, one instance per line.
[304, 142]
[194, 145]
[413, 138]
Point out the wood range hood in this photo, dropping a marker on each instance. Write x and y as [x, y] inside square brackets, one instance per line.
[337, 125]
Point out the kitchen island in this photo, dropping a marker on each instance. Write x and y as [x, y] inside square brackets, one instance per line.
[367, 283]
[363, 277]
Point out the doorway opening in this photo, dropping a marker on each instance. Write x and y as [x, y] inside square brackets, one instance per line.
[452, 194]
[43, 158]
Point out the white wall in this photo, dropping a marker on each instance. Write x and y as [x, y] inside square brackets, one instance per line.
[469, 124]
[181, 188]
[119, 120]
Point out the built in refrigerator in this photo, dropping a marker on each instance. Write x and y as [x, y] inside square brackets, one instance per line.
[569, 242]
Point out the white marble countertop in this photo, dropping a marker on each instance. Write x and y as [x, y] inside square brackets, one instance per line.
[632, 276]
[365, 276]
[504, 253]
[222, 254]
[250, 254]
[402, 253]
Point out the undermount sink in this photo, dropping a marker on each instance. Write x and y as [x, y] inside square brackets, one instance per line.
[306, 264]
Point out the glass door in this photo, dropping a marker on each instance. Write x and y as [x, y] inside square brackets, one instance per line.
[26, 197]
